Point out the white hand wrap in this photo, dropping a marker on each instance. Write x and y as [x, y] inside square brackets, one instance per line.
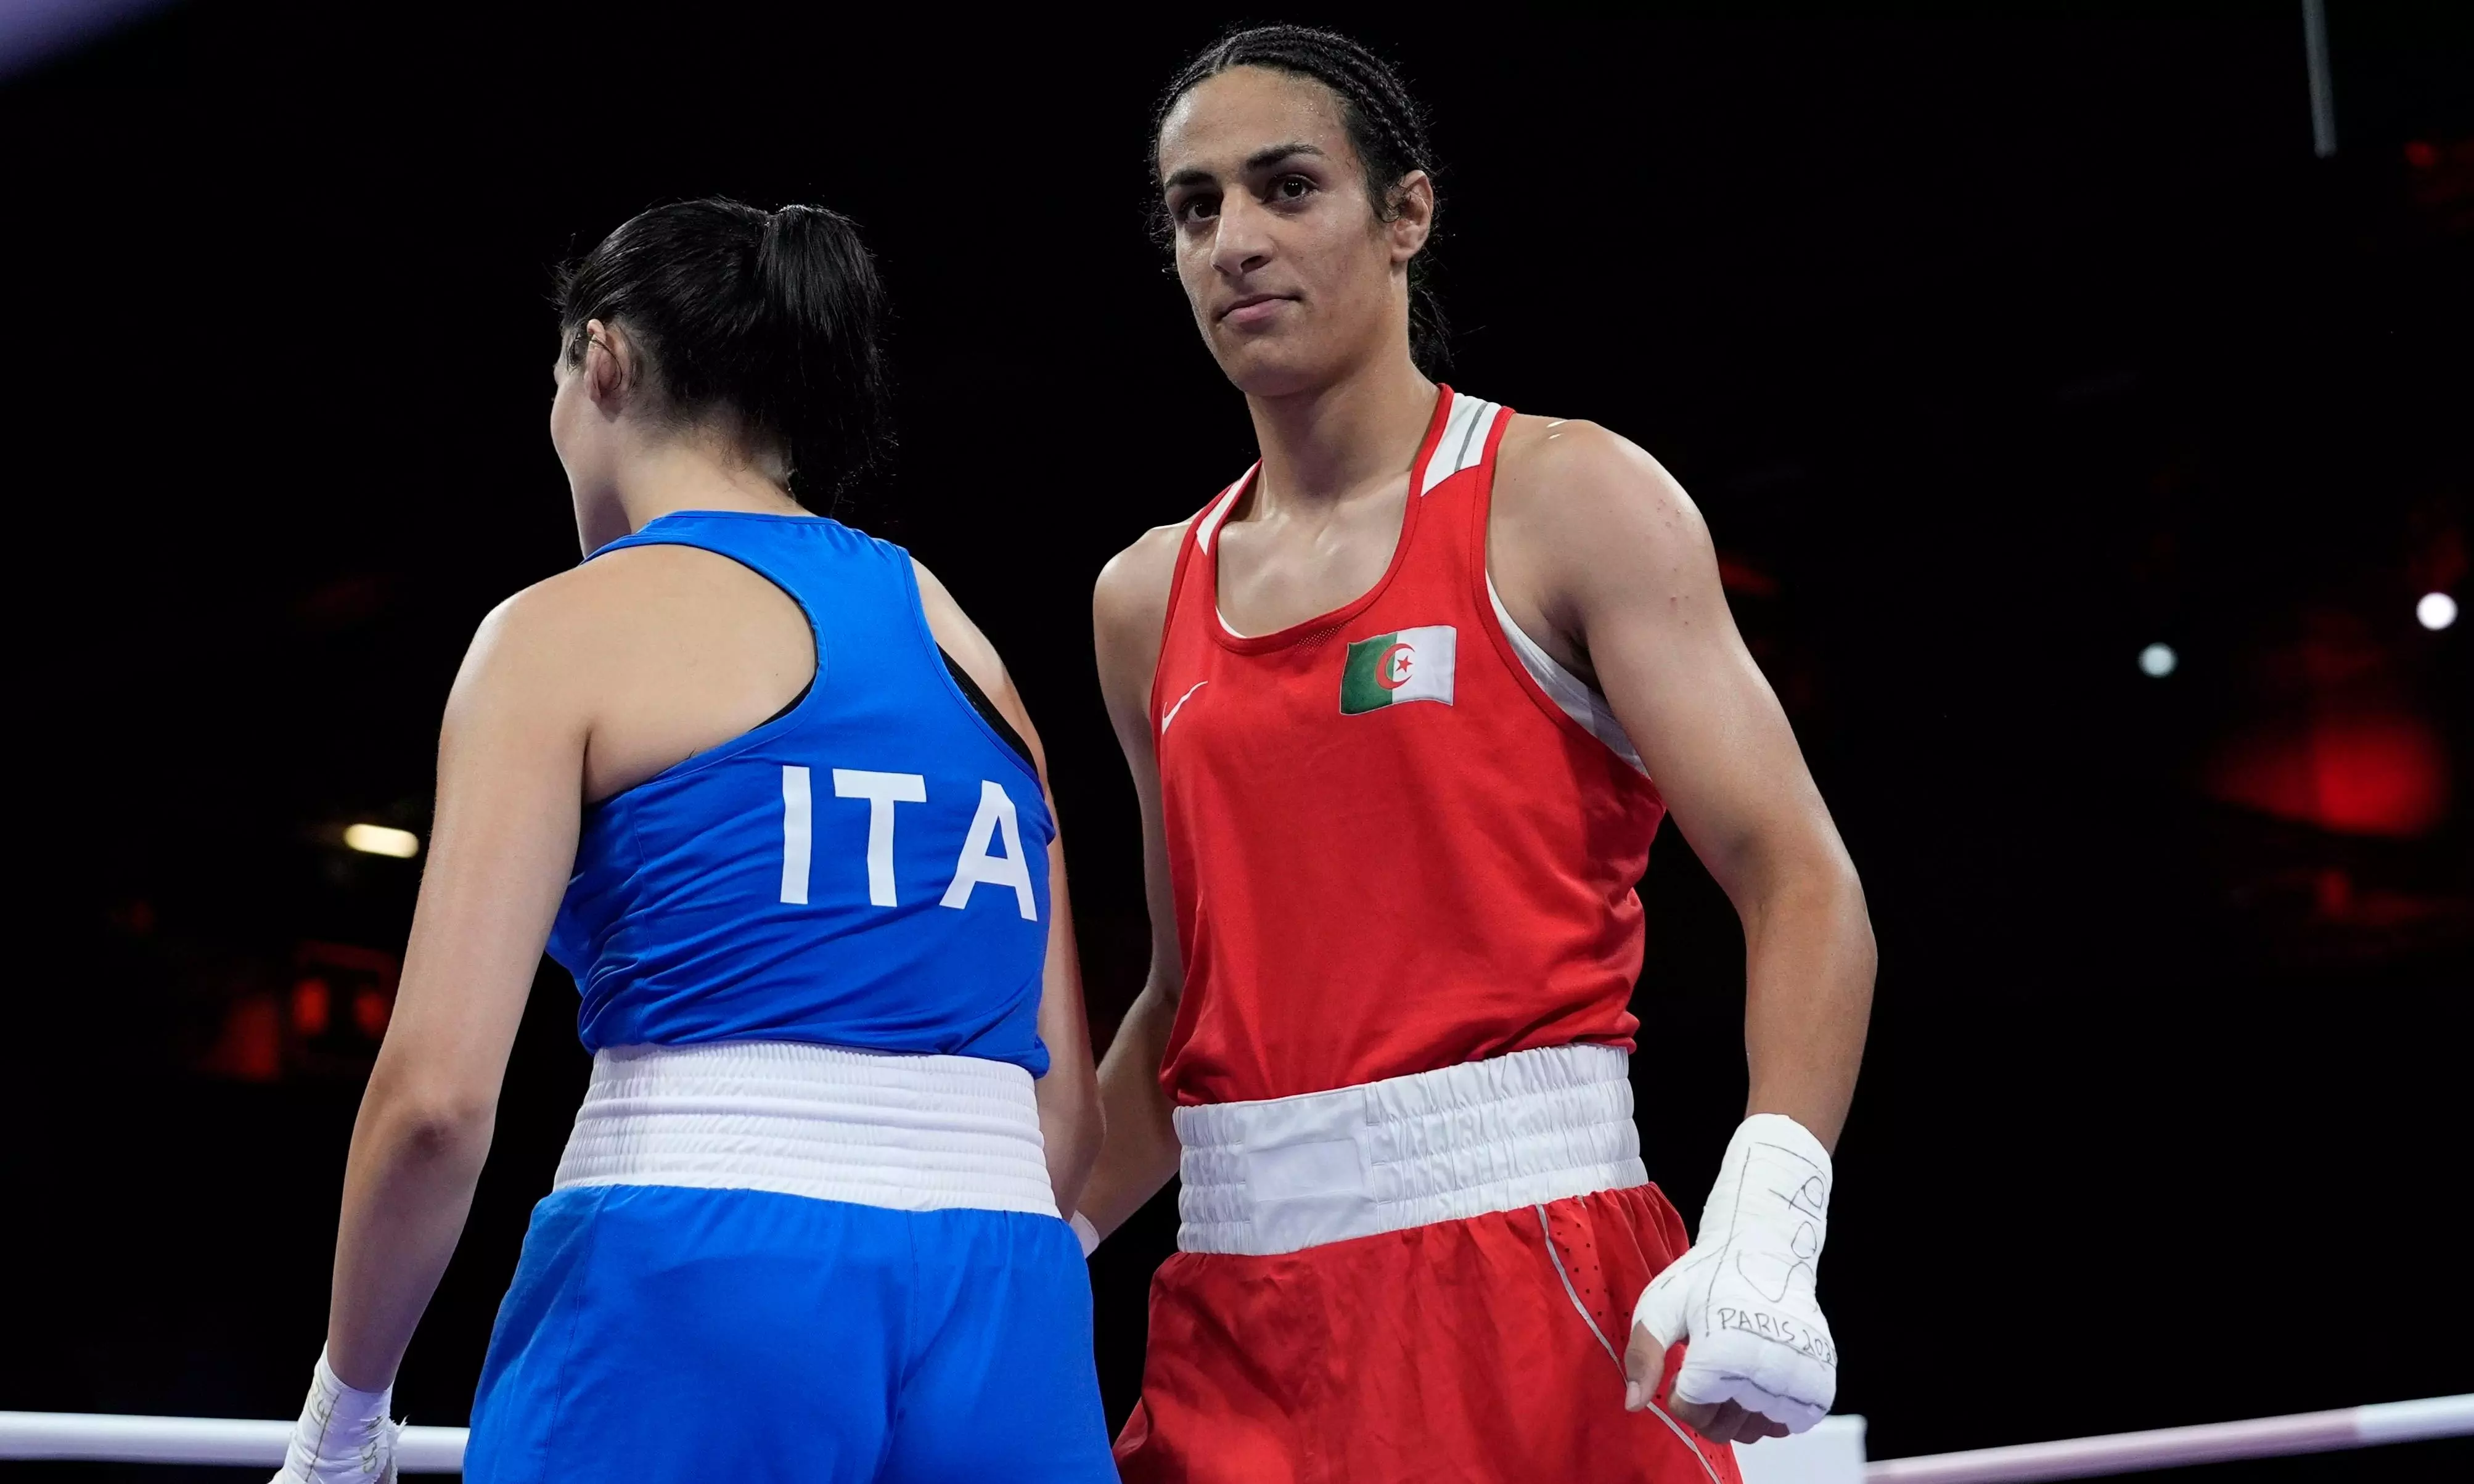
[1744, 1296]
[1085, 1234]
[344, 1436]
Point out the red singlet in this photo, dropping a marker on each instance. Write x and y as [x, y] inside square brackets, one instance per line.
[1392, 851]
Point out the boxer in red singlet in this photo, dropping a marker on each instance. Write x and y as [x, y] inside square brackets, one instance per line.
[1404, 706]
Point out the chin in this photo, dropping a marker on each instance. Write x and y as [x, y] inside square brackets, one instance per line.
[1272, 365]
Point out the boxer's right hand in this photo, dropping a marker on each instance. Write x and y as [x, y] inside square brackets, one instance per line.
[1758, 1360]
[344, 1436]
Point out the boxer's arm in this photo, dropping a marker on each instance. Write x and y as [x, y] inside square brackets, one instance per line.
[1617, 560]
[1072, 1121]
[1069, 1094]
[1602, 544]
[510, 768]
[1129, 608]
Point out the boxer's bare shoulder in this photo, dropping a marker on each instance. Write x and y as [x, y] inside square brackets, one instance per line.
[1130, 610]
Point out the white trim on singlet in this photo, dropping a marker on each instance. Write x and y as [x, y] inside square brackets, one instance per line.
[1463, 443]
[1208, 526]
[1570, 693]
[1468, 424]
[1461, 446]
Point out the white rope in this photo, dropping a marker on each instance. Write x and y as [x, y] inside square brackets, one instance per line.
[97, 1437]
[104, 1437]
[2169, 1448]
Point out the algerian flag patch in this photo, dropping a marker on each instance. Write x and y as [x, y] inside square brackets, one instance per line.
[1412, 664]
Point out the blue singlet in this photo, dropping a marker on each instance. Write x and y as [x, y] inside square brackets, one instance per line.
[867, 872]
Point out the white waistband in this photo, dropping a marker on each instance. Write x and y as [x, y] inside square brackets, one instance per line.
[914, 1133]
[1285, 1174]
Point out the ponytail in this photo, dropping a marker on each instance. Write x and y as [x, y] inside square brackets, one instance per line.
[766, 324]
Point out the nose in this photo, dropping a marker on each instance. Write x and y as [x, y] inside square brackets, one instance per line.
[1242, 241]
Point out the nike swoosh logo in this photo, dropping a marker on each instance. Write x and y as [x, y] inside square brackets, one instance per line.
[1181, 705]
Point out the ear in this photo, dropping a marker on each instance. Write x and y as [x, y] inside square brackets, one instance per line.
[609, 364]
[1413, 215]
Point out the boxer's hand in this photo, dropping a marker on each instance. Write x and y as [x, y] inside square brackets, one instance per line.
[1645, 1366]
[344, 1436]
[1758, 1361]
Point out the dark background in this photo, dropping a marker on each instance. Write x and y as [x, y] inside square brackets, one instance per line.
[1995, 347]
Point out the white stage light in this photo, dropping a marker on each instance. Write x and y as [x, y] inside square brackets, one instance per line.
[2158, 660]
[376, 839]
[2437, 611]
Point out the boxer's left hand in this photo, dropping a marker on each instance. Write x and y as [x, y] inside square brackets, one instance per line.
[344, 1436]
[1758, 1361]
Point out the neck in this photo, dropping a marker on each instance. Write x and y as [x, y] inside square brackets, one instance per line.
[1324, 444]
[674, 475]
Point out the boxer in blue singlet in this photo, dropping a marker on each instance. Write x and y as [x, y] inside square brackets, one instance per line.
[759, 784]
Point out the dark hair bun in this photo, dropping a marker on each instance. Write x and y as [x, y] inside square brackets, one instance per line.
[768, 320]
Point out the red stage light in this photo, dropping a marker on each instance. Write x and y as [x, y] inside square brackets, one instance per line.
[370, 1010]
[250, 1047]
[2421, 153]
[312, 1007]
[2359, 774]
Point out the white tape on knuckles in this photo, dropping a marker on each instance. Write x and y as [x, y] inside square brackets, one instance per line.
[1743, 1296]
[343, 1435]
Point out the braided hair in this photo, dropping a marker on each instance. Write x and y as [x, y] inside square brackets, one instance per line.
[1386, 128]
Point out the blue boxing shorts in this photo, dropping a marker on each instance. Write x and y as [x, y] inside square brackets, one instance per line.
[661, 1331]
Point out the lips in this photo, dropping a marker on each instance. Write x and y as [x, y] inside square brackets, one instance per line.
[1253, 308]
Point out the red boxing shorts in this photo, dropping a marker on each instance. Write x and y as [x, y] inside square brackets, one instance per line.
[1449, 1353]
[1475, 1349]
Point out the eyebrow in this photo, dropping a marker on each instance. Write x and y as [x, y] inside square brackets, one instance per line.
[1260, 161]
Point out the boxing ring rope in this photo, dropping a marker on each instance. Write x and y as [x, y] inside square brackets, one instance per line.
[104, 1437]
[2169, 1448]
[107, 1438]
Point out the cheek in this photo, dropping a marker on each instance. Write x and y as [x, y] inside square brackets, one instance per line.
[1344, 268]
[1194, 264]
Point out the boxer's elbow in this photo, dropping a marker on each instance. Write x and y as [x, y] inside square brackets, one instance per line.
[1809, 887]
[430, 1121]
[1835, 915]
[1836, 896]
